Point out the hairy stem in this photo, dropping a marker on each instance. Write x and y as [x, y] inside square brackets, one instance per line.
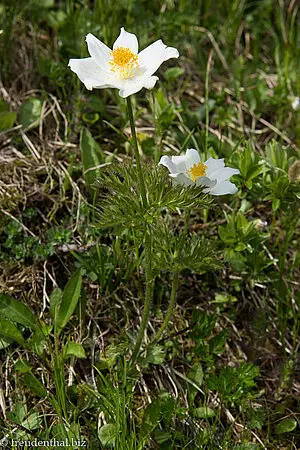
[186, 225]
[136, 152]
[170, 308]
[147, 244]
[175, 283]
[148, 297]
[207, 100]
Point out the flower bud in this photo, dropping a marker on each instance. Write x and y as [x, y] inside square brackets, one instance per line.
[294, 172]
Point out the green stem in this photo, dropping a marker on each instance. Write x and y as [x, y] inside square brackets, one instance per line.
[156, 134]
[58, 375]
[148, 297]
[207, 101]
[170, 309]
[186, 225]
[147, 244]
[175, 283]
[136, 152]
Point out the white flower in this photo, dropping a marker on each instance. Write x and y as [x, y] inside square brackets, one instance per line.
[190, 171]
[296, 103]
[260, 224]
[122, 67]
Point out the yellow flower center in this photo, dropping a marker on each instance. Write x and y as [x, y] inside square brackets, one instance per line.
[124, 62]
[198, 170]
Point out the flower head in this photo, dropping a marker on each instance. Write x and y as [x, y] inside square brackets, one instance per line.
[188, 170]
[294, 172]
[123, 67]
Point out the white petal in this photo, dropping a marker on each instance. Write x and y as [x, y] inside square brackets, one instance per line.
[98, 51]
[134, 85]
[182, 179]
[88, 72]
[223, 174]
[154, 55]
[127, 40]
[166, 161]
[205, 181]
[180, 163]
[96, 85]
[129, 88]
[214, 164]
[225, 187]
[192, 157]
[150, 82]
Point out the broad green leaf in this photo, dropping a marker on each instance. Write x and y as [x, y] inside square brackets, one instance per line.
[228, 236]
[30, 112]
[224, 298]
[240, 247]
[276, 204]
[9, 330]
[277, 155]
[7, 120]
[55, 301]
[74, 349]
[161, 408]
[19, 412]
[92, 156]
[80, 310]
[115, 350]
[254, 171]
[156, 354]
[162, 436]
[217, 343]
[3, 106]
[195, 374]
[286, 426]
[107, 435]
[56, 19]
[4, 343]
[235, 259]
[17, 312]
[204, 412]
[69, 299]
[34, 384]
[74, 431]
[37, 340]
[173, 72]
[32, 422]
[246, 162]
[22, 366]
[59, 432]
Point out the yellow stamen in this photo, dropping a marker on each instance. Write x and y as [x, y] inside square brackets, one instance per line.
[198, 170]
[124, 62]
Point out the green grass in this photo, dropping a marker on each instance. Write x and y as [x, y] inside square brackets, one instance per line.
[224, 373]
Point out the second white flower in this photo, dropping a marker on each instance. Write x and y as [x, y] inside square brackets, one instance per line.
[212, 174]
